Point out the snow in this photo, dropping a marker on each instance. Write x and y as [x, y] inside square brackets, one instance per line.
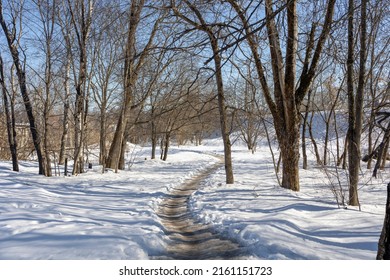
[113, 216]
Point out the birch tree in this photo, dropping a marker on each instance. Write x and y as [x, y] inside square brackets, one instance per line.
[80, 12]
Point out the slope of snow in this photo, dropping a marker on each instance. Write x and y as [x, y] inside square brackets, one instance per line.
[112, 216]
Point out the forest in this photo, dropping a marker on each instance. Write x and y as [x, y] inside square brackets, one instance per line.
[81, 79]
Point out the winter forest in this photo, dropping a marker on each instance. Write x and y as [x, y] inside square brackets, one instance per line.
[259, 122]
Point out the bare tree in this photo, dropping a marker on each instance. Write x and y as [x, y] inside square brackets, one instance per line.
[200, 23]
[285, 106]
[45, 37]
[10, 119]
[80, 12]
[133, 61]
[66, 97]
[13, 45]
[158, 75]
[377, 71]
[106, 49]
[355, 100]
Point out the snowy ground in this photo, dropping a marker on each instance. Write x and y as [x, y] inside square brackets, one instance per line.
[112, 216]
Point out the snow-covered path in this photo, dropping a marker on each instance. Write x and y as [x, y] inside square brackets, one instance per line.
[188, 237]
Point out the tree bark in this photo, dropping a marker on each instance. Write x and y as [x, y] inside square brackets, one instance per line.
[384, 240]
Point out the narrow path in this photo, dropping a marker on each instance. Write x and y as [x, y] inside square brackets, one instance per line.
[188, 239]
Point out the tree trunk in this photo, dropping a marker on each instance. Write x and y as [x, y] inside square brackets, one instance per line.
[154, 138]
[352, 168]
[384, 155]
[122, 161]
[304, 125]
[222, 113]
[384, 240]
[82, 30]
[65, 121]
[65, 130]
[314, 142]
[10, 120]
[79, 128]
[46, 112]
[337, 138]
[303, 144]
[289, 149]
[46, 146]
[114, 153]
[103, 132]
[355, 103]
[371, 126]
[326, 140]
[166, 146]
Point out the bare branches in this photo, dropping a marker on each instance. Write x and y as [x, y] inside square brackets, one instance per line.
[308, 73]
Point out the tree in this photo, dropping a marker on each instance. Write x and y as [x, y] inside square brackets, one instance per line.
[287, 98]
[378, 61]
[158, 76]
[66, 94]
[10, 119]
[106, 49]
[13, 45]
[80, 12]
[45, 30]
[200, 23]
[178, 107]
[355, 100]
[133, 61]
